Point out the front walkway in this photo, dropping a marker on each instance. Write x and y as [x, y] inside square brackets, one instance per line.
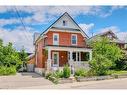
[23, 80]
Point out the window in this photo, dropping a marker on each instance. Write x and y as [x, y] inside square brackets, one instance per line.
[55, 39]
[74, 39]
[64, 23]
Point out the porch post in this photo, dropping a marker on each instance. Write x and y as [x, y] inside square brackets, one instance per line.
[49, 60]
[70, 55]
[90, 55]
[71, 63]
[79, 56]
[76, 56]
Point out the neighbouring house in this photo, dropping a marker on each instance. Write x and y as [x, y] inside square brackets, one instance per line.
[31, 63]
[31, 59]
[64, 42]
[112, 38]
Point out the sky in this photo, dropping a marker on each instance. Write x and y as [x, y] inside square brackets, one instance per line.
[92, 19]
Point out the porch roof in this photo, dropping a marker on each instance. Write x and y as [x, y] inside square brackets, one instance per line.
[68, 48]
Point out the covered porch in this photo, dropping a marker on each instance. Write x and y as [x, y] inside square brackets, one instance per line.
[74, 57]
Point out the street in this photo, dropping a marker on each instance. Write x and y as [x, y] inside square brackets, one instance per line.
[34, 81]
[103, 84]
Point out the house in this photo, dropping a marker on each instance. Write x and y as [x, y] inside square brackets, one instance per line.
[31, 59]
[64, 42]
[112, 38]
[31, 63]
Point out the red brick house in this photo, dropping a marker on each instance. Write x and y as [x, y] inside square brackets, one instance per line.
[64, 42]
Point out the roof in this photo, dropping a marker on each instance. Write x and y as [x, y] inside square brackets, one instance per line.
[31, 56]
[57, 20]
[116, 40]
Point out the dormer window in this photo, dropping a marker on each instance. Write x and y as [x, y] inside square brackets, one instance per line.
[64, 23]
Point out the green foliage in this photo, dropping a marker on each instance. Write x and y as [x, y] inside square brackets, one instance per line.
[81, 72]
[122, 63]
[55, 76]
[66, 71]
[23, 56]
[47, 75]
[59, 74]
[109, 50]
[105, 54]
[7, 70]
[100, 65]
[8, 55]
[9, 59]
[52, 77]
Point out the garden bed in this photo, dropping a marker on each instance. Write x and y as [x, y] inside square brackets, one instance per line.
[95, 78]
[119, 76]
[66, 80]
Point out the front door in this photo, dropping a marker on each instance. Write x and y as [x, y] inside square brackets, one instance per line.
[55, 57]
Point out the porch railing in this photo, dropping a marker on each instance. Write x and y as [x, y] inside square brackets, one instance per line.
[81, 64]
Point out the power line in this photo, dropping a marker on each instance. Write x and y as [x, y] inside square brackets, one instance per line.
[21, 20]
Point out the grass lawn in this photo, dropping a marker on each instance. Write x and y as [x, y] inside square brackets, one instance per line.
[118, 72]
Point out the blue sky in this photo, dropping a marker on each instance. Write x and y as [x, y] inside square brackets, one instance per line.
[92, 19]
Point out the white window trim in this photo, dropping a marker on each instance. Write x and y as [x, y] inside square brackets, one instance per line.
[55, 65]
[55, 34]
[71, 39]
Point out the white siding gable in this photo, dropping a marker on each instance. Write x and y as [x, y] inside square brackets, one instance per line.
[69, 22]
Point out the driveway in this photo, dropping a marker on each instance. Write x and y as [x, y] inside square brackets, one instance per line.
[22, 80]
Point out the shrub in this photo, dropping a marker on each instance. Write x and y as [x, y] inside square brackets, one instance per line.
[59, 74]
[100, 65]
[7, 70]
[121, 64]
[80, 72]
[52, 77]
[47, 75]
[66, 71]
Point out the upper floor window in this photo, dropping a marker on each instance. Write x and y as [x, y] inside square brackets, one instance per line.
[55, 39]
[64, 23]
[74, 39]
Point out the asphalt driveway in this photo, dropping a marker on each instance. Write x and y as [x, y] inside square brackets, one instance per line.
[22, 80]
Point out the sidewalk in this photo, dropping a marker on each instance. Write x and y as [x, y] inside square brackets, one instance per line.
[103, 84]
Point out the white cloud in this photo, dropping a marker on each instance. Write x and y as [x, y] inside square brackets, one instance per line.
[8, 21]
[44, 14]
[19, 38]
[87, 27]
[115, 29]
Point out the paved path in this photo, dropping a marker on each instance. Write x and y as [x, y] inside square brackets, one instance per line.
[34, 81]
[22, 80]
[104, 84]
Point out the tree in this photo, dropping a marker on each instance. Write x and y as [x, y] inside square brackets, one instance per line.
[100, 65]
[109, 50]
[8, 55]
[23, 56]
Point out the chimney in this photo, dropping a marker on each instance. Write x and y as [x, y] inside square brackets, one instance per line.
[36, 35]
